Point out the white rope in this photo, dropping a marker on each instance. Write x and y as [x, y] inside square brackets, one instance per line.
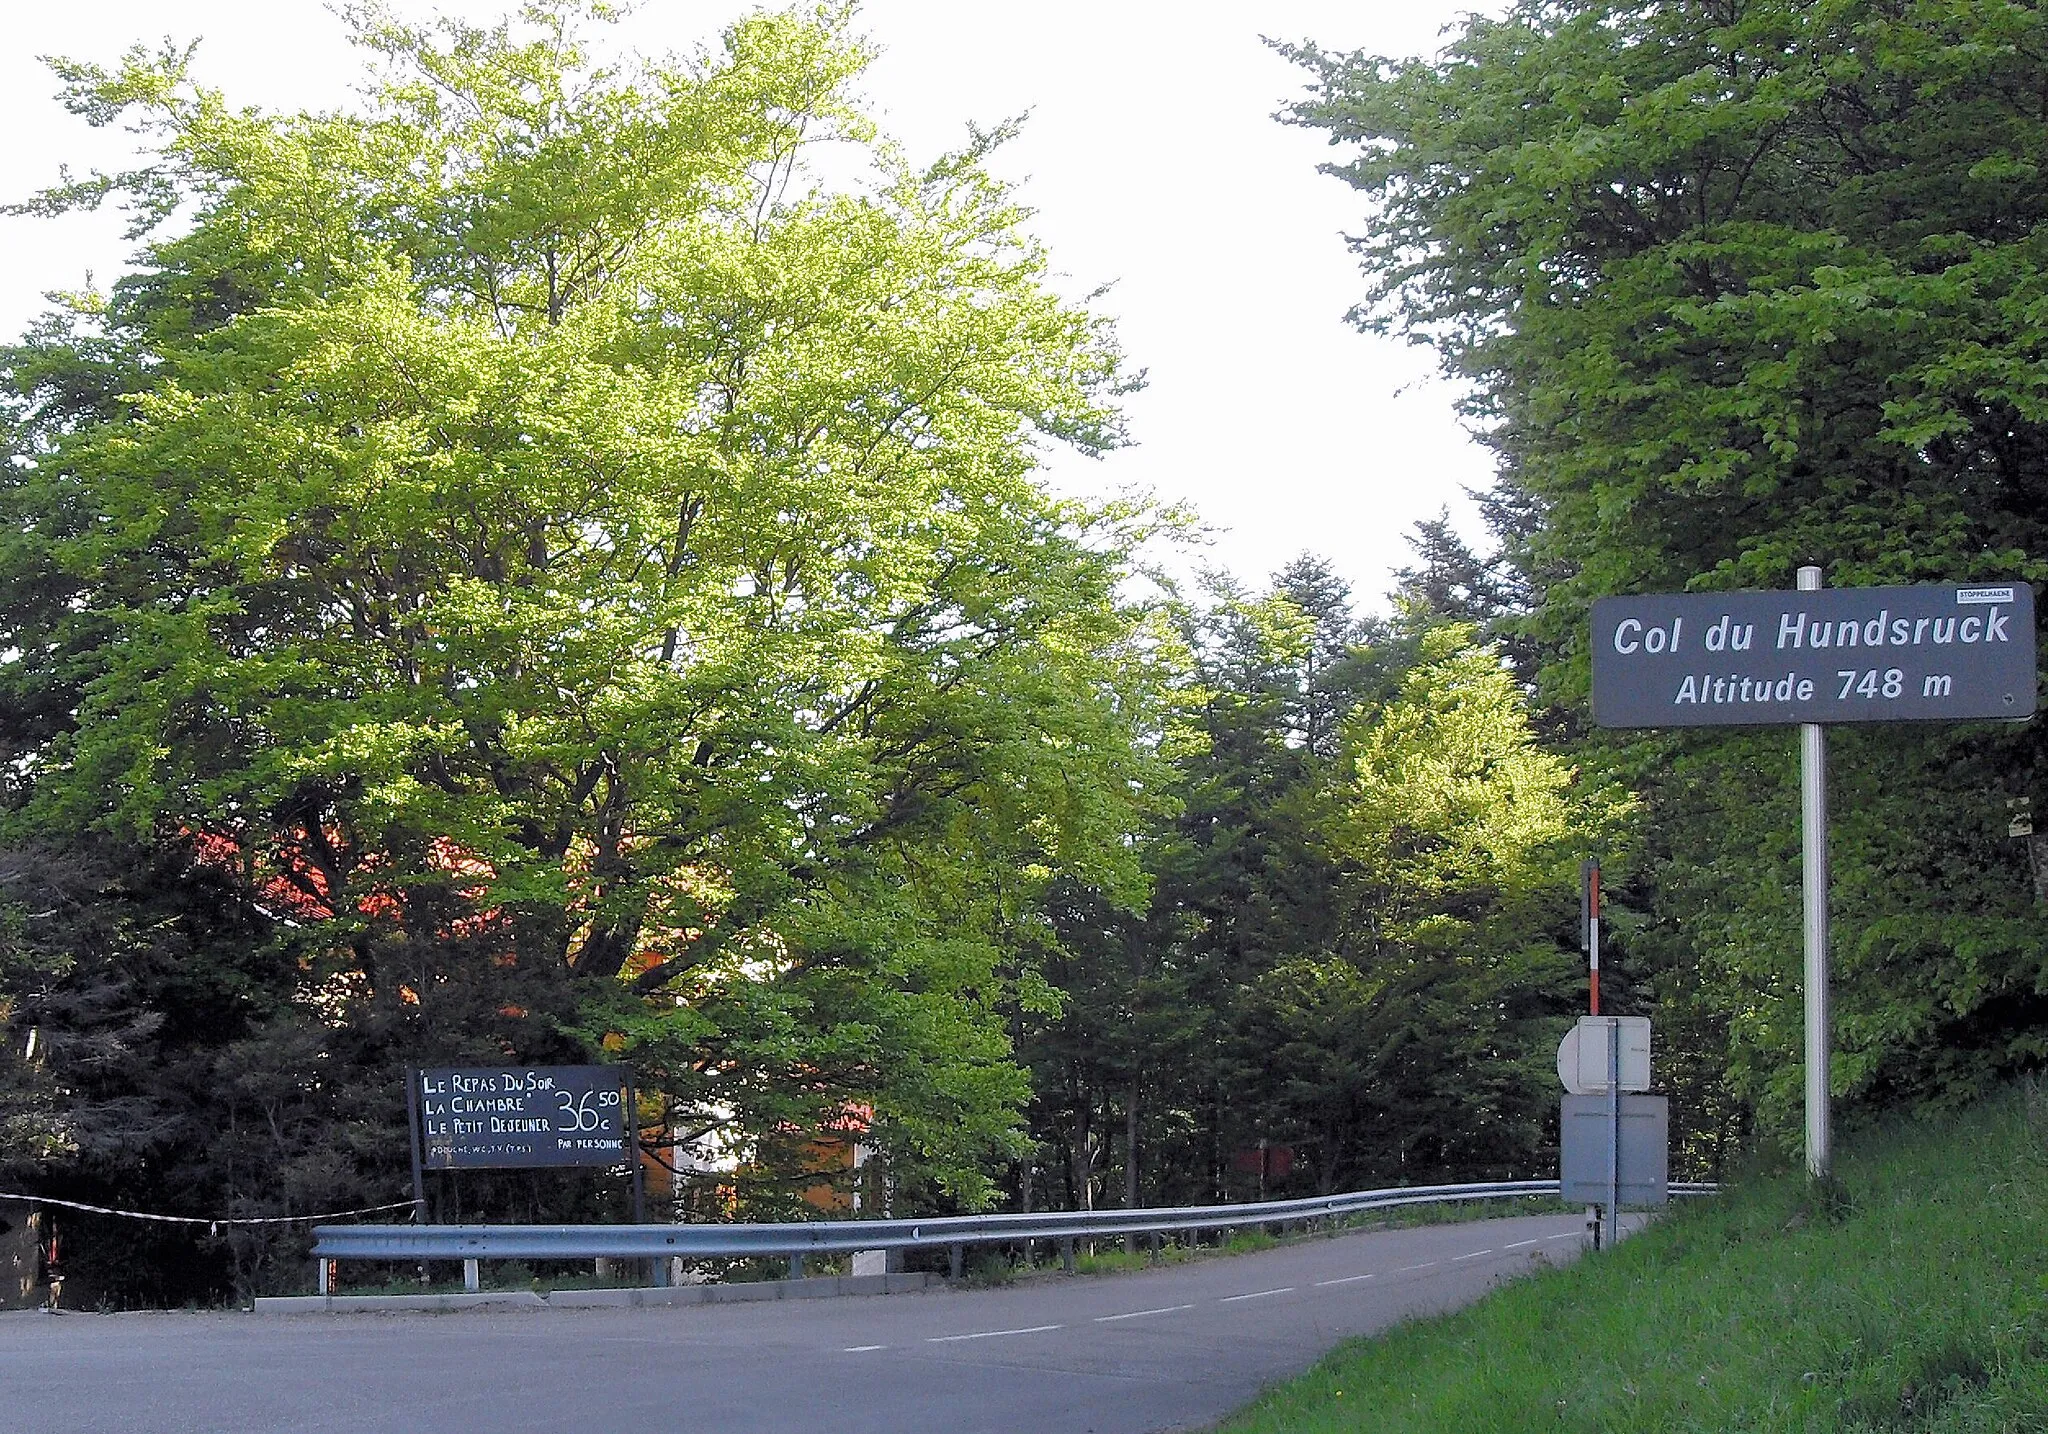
[211, 1223]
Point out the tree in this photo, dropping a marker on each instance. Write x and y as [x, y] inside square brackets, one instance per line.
[1334, 665]
[1738, 287]
[1363, 900]
[1240, 883]
[523, 519]
[1418, 1043]
[1448, 581]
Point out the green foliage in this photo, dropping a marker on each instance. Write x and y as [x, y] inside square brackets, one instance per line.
[1419, 1042]
[1361, 943]
[1916, 1304]
[156, 1059]
[1453, 813]
[527, 570]
[1738, 288]
[530, 524]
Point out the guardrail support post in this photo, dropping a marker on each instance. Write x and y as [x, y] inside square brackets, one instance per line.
[1154, 1241]
[796, 1267]
[1067, 1254]
[956, 1257]
[472, 1276]
[325, 1276]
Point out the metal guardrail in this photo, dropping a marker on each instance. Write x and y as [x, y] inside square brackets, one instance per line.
[826, 1237]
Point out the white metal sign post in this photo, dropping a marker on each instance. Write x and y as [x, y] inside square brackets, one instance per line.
[1613, 1134]
[1811, 657]
[1813, 876]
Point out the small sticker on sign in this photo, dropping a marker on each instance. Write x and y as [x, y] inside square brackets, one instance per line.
[1969, 597]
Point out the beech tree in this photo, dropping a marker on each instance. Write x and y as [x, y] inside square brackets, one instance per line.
[533, 510]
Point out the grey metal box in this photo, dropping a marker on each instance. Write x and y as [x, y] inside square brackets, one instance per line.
[1583, 1145]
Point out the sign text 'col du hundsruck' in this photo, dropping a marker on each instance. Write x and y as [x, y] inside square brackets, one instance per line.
[1922, 653]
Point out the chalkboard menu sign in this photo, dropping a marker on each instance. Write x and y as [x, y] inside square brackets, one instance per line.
[519, 1116]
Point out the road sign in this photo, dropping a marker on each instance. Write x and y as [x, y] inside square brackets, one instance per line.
[1589, 1136]
[479, 1118]
[1582, 1055]
[1747, 659]
[1815, 656]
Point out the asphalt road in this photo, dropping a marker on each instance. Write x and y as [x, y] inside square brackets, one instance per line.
[1164, 1349]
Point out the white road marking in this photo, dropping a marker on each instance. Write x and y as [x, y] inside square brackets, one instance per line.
[1226, 1300]
[1568, 1235]
[990, 1333]
[1140, 1314]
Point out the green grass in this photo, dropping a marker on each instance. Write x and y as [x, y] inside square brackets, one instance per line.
[1912, 1295]
[496, 1276]
[1114, 1259]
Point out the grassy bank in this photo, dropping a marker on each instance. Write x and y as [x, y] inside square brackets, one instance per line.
[1913, 1295]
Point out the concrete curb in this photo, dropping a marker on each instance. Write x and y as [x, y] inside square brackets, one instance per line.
[670, 1296]
[315, 1304]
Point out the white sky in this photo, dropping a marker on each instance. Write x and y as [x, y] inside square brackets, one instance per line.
[1150, 157]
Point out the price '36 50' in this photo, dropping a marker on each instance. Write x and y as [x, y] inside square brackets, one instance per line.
[583, 1110]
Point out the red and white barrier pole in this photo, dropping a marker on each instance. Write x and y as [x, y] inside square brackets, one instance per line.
[1589, 905]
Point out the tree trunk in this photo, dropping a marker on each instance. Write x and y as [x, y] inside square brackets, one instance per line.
[1131, 1161]
[1081, 1151]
